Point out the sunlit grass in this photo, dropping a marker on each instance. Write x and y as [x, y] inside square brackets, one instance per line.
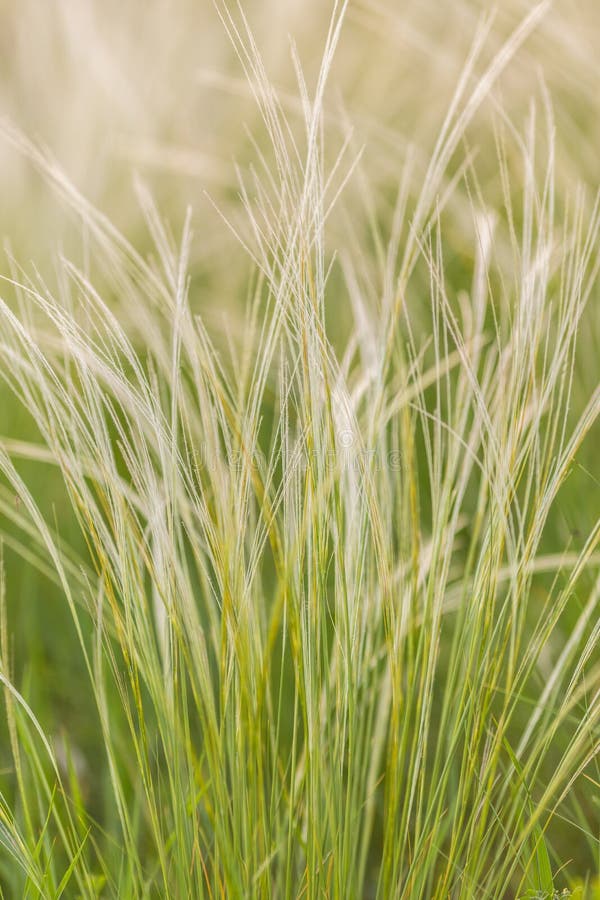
[326, 634]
